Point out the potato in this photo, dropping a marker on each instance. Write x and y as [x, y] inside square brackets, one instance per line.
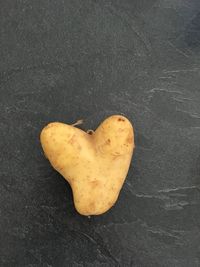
[95, 165]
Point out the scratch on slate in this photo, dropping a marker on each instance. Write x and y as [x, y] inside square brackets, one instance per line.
[153, 90]
[102, 249]
[179, 188]
[178, 50]
[181, 70]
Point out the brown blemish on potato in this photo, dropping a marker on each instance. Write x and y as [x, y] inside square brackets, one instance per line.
[129, 140]
[94, 183]
[110, 203]
[121, 119]
[90, 132]
[108, 141]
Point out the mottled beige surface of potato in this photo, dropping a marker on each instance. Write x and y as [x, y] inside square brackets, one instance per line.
[94, 165]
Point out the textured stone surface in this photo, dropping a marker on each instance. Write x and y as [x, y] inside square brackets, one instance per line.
[66, 60]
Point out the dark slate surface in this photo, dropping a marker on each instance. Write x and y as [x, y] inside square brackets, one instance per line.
[66, 60]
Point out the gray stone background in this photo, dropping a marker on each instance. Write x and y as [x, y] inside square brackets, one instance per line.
[66, 60]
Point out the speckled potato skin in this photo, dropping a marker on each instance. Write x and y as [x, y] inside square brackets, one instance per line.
[94, 165]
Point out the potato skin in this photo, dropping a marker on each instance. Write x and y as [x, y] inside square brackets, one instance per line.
[94, 165]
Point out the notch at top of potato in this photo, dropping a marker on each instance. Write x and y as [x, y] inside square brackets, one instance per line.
[95, 165]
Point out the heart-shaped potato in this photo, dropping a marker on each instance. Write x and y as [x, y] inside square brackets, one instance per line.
[95, 165]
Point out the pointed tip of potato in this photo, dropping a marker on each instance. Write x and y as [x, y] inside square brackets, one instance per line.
[47, 130]
[49, 139]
